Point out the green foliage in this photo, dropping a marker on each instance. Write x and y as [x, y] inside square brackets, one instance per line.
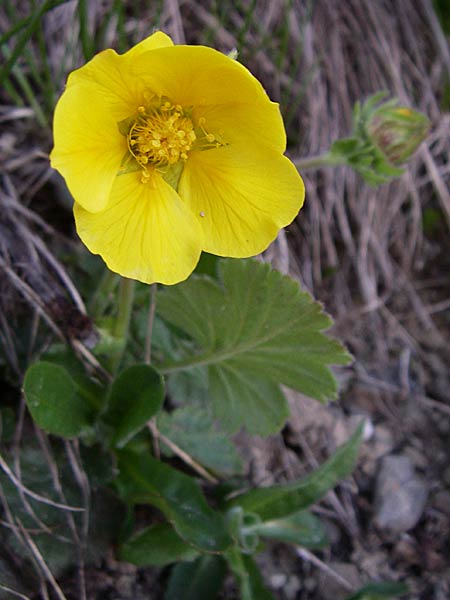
[202, 578]
[302, 529]
[191, 429]
[378, 591]
[55, 401]
[256, 329]
[282, 500]
[50, 524]
[143, 479]
[157, 546]
[248, 576]
[136, 396]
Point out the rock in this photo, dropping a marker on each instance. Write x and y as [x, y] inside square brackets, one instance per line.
[446, 476]
[400, 495]
[381, 443]
[292, 587]
[441, 501]
[330, 588]
[344, 427]
[278, 580]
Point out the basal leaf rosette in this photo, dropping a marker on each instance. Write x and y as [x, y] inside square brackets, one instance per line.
[168, 151]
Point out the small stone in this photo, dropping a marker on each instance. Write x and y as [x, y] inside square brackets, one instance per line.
[333, 531]
[400, 495]
[309, 583]
[292, 587]
[441, 501]
[383, 443]
[278, 580]
[344, 428]
[446, 476]
[330, 588]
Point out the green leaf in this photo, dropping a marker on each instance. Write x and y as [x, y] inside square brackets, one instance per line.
[378, 591]
[55, 401]
[157, 546]
[202, 578]
[302, 528]
[52, 536]
[98, 463]
[243, 528]
[191, 429]
[178, 496]
[248, 576]
[256, 330]
[207, 264]
[136, 396]
[59, 354]
[280, 501]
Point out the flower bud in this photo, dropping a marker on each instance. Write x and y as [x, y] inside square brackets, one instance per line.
[397, 131]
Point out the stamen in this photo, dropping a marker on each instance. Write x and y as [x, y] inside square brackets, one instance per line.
[162, 134]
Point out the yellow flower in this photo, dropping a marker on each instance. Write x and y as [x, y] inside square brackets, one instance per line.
[168, 151]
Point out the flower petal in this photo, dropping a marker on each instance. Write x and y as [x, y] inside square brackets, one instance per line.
[108, 74]
[242, 196]
[88, 147]
[158, 39]
[145, 233]
[204, 78]
[232, 123]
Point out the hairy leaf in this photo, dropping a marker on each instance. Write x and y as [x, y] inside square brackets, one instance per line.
[202, 578]
[178, 496]
[378, 591]
[192, 430]
[302, 528]
[282, 500]
[136, 396]
[248, 576]
[157, 546]
[255, 330]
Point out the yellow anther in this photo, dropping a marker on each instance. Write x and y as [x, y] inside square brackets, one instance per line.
[163, 133]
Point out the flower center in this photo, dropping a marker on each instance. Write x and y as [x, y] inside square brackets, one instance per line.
[161, 135]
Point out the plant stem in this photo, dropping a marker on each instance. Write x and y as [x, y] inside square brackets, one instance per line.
[315, 162]
[122, 324]
[102, 294]
[150, 321]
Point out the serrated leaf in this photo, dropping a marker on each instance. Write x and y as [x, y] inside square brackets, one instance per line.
[280, 501]
[55, 401]
[302, 528]
[248, 576]
[202, 578]
[256, 330]
[156, 546]
[192, 430]
[378, 591]
[144, 479]
[136, 396]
